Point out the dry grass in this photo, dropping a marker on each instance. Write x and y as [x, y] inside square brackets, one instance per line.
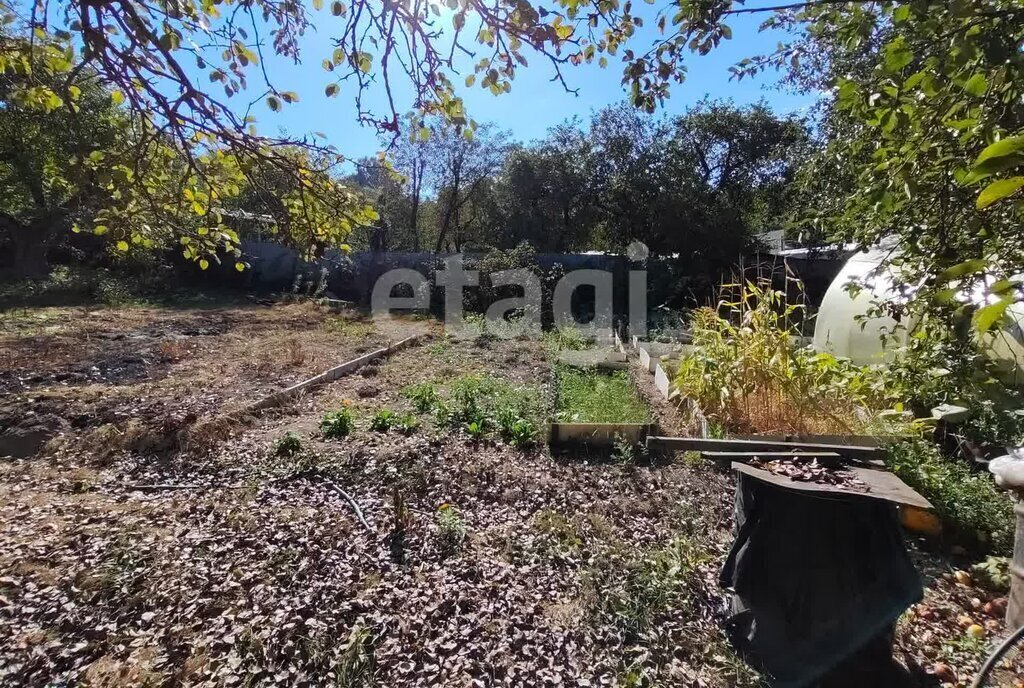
[172, 350]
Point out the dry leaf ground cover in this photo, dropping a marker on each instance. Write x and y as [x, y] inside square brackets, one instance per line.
[246, 564]
[137, 375]
[482, 564]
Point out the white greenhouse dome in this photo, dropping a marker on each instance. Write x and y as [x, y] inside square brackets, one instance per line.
[843, 327]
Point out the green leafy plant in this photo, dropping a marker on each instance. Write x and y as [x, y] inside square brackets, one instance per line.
[516, 430]
[973, 511]
[993, 573]
[624, 450]
[476, 429]
[288, 445]
[357, 665]
[407, 423]
[423, 396]
[383, 420]
[338, 424]
[566, 339]
[629, 591]
[451, 529]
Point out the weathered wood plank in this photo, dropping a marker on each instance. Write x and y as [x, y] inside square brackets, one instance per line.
[703, 444]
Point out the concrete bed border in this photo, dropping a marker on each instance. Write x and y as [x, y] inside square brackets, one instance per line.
[332, 374]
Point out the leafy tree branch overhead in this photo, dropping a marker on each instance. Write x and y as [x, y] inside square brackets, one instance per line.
[915, 90]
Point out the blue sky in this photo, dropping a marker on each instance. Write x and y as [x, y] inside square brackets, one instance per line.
[535, 102]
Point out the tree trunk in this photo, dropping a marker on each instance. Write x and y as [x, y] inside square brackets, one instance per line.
[417, 183]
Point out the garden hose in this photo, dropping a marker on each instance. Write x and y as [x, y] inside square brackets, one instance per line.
[994, 658]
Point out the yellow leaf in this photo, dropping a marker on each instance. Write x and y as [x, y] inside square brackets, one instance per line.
[122, 245]
[240, 266]
[203, 264]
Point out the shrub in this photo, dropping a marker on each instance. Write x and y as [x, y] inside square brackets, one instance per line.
[423, 396]
[383, 420]
[288, 445]
[451, 529]
[338, 424]
[974, 511]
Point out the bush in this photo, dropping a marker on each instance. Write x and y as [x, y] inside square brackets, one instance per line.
[338, 424]
[975, 513]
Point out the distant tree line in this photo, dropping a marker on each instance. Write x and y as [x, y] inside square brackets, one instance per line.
[700, 184]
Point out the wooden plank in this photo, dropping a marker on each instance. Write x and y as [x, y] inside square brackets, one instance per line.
[880, 484]
[597, 434]
[702, 444]
[330, 375]
[854, 440]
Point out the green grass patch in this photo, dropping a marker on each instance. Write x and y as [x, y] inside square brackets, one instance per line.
[480, 405]
[590, 396]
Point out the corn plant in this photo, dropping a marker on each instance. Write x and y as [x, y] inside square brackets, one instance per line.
[746, 373]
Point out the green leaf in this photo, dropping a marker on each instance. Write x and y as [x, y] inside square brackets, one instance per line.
[987, 316]
[122, 245]
[100, 229]
[896, 55]
[976, 85]
[968, 267]
[116, 97]
[203, 264]
[1001, 148]
[998, 190]
[240, 266]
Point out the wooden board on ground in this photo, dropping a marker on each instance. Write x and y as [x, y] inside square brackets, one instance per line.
[759, 445]
[598, 434]
[881, 484]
